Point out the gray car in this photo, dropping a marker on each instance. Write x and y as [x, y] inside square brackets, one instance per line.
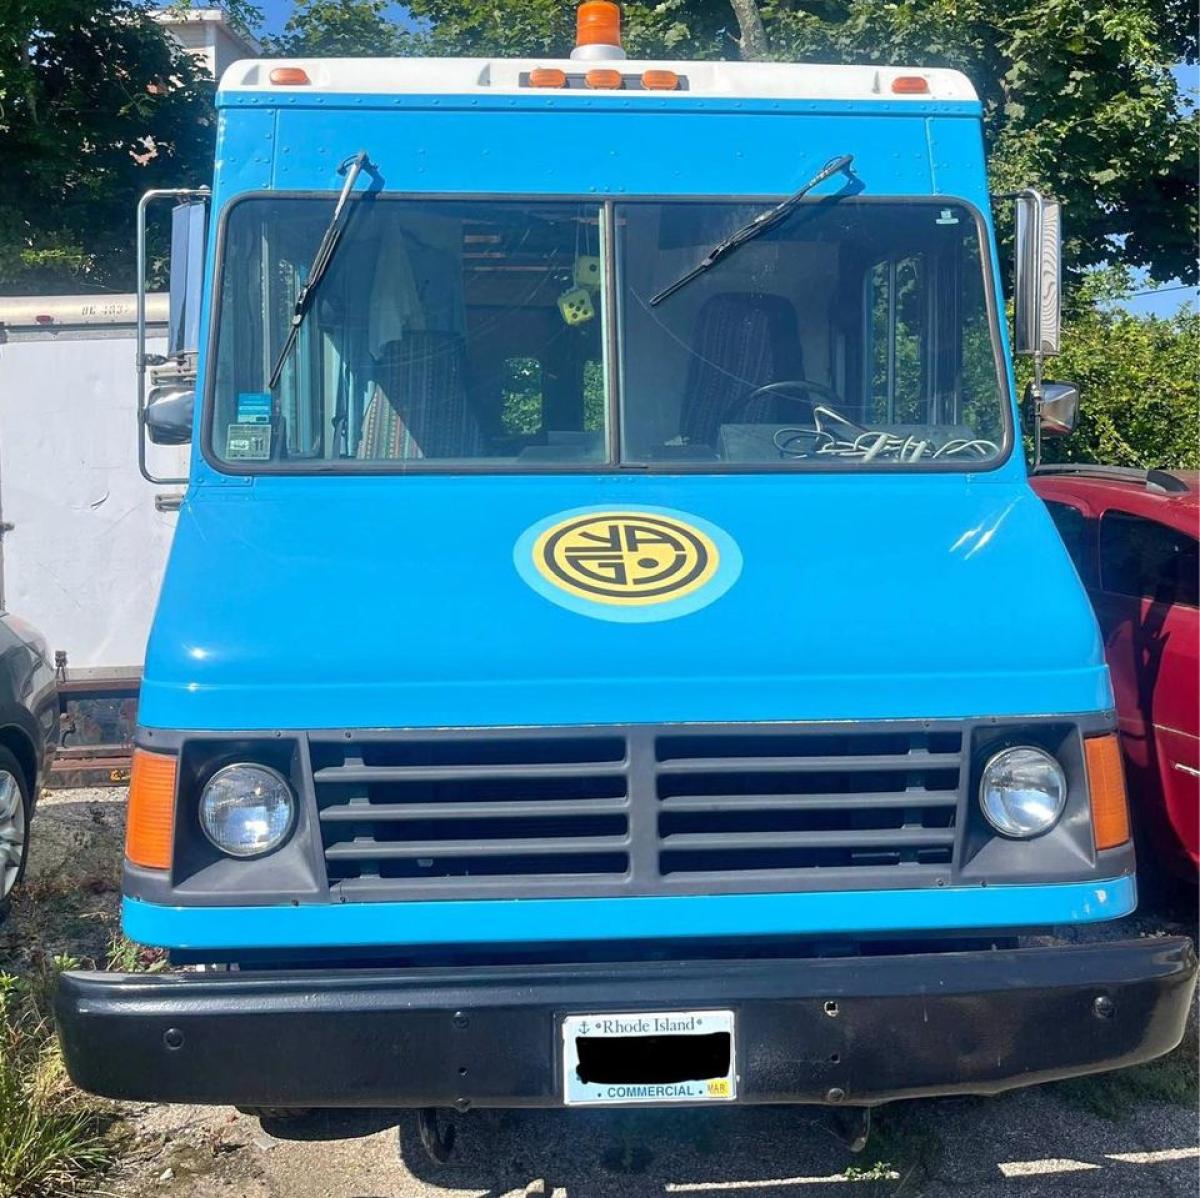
[28, 733]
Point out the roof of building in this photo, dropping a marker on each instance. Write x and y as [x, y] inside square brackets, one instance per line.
[509, 76]
[213, 18]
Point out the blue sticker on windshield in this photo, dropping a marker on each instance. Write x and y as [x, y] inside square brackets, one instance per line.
[254, 407]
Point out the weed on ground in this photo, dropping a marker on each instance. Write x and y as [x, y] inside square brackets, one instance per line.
[901, 1152]
[53, 1139]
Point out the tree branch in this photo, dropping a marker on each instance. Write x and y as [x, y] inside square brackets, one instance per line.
[753, 41]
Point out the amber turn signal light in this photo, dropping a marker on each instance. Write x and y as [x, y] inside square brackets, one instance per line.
[603, 79]
[290, 76]
[1106, 786]
[660, 81]
[150, 818]
[910, 85]
[547, 77]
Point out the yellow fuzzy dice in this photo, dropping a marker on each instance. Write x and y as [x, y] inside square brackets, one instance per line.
[588, 272]
[576, 306]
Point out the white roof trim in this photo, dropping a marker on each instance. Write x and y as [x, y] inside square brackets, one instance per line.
[497, 76]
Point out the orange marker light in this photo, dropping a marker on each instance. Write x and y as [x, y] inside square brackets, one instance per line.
[603, 79]
[598, 23]
[910, 85]
[547, 77]
[660, 81]
[1106, 785]
[150, 818]
[290, 76]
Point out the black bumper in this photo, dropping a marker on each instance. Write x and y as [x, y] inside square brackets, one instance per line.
[857, 1030]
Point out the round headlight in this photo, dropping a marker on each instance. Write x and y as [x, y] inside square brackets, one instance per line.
[1023, 792]
[247, 810]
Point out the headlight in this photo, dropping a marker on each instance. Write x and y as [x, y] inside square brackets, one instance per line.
[247, 810]
[1023, 792]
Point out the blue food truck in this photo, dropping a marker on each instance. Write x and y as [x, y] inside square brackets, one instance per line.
[610, 652]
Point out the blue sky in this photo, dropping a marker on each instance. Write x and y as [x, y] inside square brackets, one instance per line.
[1161, 304]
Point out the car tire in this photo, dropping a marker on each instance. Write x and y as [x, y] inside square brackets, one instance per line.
[16, 813]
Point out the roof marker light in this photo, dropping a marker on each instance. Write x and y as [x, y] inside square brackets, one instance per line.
[603, 79]
[660, 81]
[910, 85]
[290, 76]
[547, 77]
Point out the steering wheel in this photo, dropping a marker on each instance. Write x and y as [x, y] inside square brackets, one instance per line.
[780, 390]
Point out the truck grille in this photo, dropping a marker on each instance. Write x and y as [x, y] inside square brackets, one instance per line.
[636, 810]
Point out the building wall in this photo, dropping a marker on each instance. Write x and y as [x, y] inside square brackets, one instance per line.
[205, 33]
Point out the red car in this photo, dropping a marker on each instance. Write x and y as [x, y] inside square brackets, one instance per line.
[1132, 534]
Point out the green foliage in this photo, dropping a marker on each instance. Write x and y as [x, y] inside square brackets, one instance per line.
[678, 28]
[126, 956]
[1078, 95]
[1078, 99]
[334, 28]
[53, 1140]
[96, 106]
[1137, 376]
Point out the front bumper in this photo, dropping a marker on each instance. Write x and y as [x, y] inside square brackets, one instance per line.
[861, 1030]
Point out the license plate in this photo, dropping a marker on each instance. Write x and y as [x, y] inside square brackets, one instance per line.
[649, 1057]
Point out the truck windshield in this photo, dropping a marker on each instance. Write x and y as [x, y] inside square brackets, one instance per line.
[459, 334]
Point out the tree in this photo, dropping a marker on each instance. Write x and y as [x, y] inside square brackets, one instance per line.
[1137, 376]
[1078, 95]
[652, 28]
[336, 28]
[1078, 99]
[97, 104]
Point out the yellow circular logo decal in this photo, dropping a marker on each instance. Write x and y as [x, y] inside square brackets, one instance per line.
[631, 559]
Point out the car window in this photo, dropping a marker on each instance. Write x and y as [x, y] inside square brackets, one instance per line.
[1078, 532]
[1149, 560]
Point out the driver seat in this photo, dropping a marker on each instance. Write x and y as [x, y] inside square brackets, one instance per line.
[743, 341]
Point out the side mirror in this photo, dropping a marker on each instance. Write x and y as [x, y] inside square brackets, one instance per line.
[1037, 293]
[166, 382]
[169, 413]
[189, 225]
[1058, 409]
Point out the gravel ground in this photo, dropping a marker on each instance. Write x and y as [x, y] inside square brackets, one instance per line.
[1117, 1135]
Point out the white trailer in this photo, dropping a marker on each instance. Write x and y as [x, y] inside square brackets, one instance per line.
[83, 537]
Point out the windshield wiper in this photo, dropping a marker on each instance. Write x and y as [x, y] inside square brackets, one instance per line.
[759, 225]
[351, 168]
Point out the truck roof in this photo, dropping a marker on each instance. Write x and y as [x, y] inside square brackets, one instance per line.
[510, 76]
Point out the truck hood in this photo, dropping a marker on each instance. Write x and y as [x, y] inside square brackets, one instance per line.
[296, 603]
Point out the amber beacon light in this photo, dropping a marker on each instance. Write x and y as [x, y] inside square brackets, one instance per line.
[598, 27]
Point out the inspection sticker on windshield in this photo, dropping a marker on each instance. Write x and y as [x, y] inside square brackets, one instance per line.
[649, 1057]
[248, 443]
[630, 565]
